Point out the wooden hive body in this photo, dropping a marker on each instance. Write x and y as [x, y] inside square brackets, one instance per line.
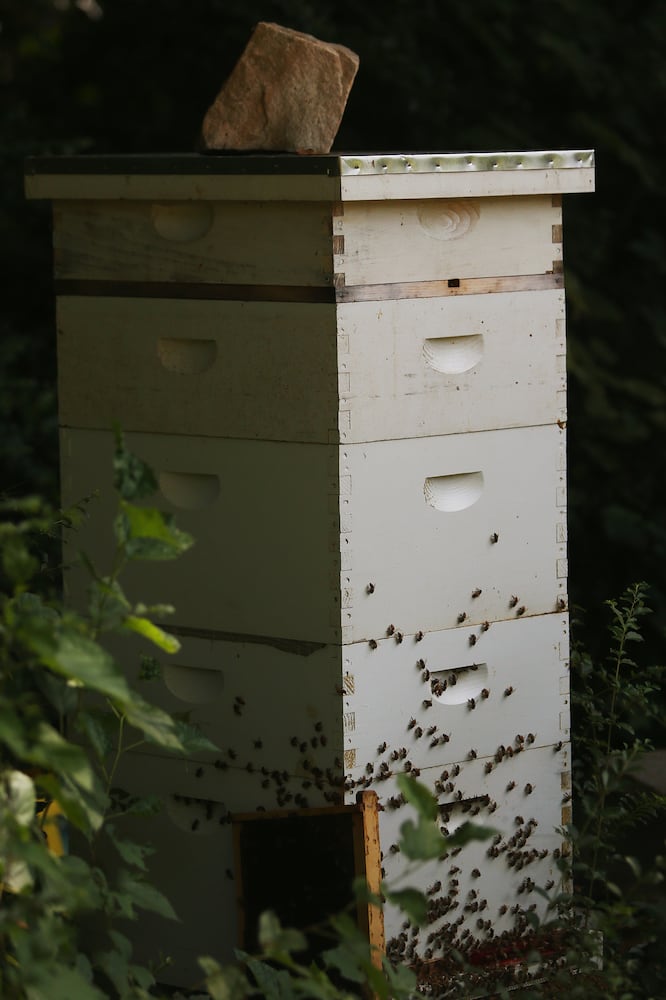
[348, 374]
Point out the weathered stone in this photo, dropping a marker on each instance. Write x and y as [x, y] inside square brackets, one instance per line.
[287, 92]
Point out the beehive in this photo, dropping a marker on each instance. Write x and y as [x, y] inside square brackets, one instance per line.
[348, 373]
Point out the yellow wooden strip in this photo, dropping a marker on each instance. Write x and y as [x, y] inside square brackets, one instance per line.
[452, 286]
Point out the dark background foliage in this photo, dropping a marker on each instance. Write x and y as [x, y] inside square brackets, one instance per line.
[138, 75]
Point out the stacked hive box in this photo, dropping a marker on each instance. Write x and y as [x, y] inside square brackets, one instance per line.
[349, 376]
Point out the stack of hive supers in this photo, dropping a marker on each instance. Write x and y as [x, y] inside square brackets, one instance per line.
[348, 373]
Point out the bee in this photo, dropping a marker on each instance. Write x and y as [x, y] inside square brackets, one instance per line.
[370, 589]
[195, 825]
[488, 766]
[398, 637]
[477, 592]
[433, 889]
[231, 754]
[237, 709]
[199, 772]
[461, 617]
[221, 765]
[513, 601]
[549, 884]
[456, 770]
[472, 640]
[303, 746]
[372, 643]
[418, 636]
[519, 820]
[561, 604]
[390, 630]
[558, 746]
[249, 767]
[418, 732]
[530, 738]
[485, 626]
[294, 741]
[471, 703]
[510, 786]
[425, 676]
[521, 610]
[494, 538]
[529, 788]
[427, 702]
[485, 693]
[258, 744]
[411, 723]
[472, 754]
[420, 664]
[430, 730]
[323, 740]
[239, 699]
[508, 691]
[519, 739]
[381, 748]
[228, 872]
[453, 680]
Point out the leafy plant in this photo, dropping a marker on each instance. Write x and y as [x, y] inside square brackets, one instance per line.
[349, 963]
[604, 931]
[614, 917]
[67, 715]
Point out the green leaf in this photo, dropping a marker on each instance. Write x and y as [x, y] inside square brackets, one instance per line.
[108, 604]
[132, 477]
[132, 853]
[17, 796]
[419, 843]
[468, 832]
[150, 669]
[152, 632]
[135, 805]
[273, 984]
[419, 796]
[344, 959]
[144, 896]
[191, 738]
[147, 533]
[224, 982]
[17, 562]
[97, 726]
[402, 980]
[81, 661]
[156, 725]
[273, 938]
[84, 808]
[61, 983]
[412, 902]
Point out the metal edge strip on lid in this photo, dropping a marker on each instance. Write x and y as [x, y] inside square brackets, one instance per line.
[425, 163]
